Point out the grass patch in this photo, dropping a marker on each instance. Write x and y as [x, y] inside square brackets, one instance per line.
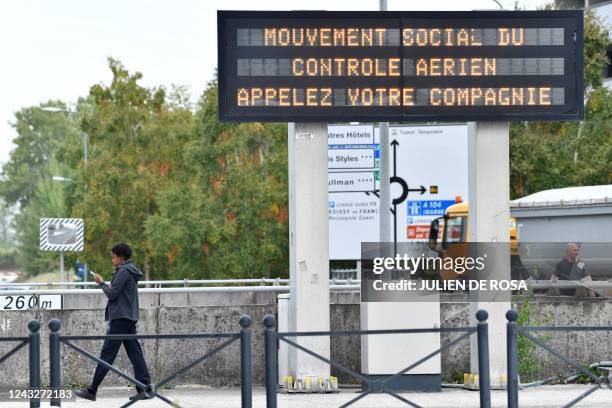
[530, 366]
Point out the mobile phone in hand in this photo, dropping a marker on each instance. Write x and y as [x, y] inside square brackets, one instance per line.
[92, 273]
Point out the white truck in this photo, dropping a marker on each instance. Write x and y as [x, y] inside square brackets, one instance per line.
[546, 221]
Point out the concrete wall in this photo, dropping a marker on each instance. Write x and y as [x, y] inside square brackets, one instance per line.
[97, 300]
[166, 356]
[584, 347]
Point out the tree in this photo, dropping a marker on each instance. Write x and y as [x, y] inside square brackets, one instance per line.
[228, 218]
[27, 177]
[8, 259]
[48, 202]
[135, 141]
[40, 135]
[7, 216]
[546, 155]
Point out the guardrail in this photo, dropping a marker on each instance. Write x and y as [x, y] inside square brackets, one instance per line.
[184, 282]
[547, 284]
[335, 285]
[537, 284]
[210, 289]
[267, 282]
[243, 336]
[514, 330]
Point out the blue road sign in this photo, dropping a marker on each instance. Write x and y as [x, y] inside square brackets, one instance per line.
[428, 207]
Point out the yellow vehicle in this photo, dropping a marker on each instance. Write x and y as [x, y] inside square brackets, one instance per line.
[448, 236]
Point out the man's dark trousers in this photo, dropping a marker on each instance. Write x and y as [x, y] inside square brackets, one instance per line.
[111, 348]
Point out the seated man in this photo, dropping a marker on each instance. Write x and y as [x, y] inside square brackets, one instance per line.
[572, 269]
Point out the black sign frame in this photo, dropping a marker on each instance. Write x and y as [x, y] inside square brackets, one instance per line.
[572, 51]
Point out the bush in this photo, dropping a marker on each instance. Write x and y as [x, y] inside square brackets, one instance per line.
[8, 258]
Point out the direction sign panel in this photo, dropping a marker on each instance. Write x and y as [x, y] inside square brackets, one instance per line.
[350, 135]
[429, 164]
[400, 66]
[61, 234]
[347, 182]
[350, 158]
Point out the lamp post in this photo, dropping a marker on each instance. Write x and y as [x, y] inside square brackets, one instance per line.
[52, 109]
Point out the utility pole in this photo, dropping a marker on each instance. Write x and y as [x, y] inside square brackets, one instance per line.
[385, 187]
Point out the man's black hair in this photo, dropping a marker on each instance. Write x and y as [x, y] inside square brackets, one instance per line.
[122, 250]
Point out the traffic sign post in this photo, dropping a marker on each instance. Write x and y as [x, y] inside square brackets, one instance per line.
[308, 246]
[62, 274]
[62, 234]
[314, 66]
[488, 220]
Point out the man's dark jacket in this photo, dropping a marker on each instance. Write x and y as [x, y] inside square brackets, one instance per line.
[122, 293]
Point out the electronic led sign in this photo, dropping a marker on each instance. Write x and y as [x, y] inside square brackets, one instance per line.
[400, 66]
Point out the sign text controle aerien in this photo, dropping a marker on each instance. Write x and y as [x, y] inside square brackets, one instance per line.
[322, 66]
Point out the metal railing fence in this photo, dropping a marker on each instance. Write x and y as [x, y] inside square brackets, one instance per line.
[514, 330]
[243, 337]
[271, 336]
[33, 342]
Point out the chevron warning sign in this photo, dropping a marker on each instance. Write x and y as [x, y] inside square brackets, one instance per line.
[61, 234]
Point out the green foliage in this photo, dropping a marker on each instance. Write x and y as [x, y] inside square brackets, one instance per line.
[6, 225]
[529, 363]
[136, 142]
[545, 155]
[228, 217]
[27, 178]
[585, 379]
[47, 202]
[8, 258]
[40, 136]
[456, 377]
[195, 198]
[596, 40]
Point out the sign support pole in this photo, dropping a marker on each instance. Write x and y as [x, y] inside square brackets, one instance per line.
[308, 246]
[384, 182]
[489, 216]
[85, 160]
[62, 274]
[385, 185]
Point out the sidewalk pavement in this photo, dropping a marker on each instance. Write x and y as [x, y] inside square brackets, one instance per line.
[196, 397]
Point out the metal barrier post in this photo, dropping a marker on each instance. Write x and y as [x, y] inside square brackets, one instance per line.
[54, 362]
[246, 380]
[483, 359]
[270, 357]
[34, 356]
[512, 341]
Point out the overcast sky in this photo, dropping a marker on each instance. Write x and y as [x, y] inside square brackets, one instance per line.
[57, 49]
